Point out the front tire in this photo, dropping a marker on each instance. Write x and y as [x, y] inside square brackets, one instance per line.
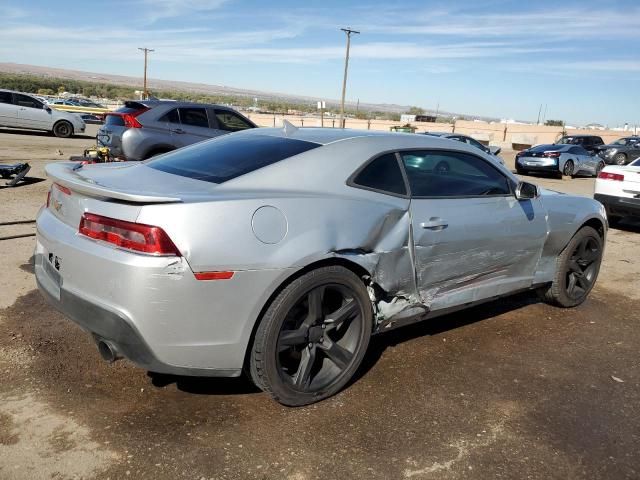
[63, 129]
[313, 337]
[577, 269]
[620, 159]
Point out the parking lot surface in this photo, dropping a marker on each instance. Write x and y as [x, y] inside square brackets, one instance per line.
[512, 389]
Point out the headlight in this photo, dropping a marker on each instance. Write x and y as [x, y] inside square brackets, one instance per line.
[611, 152]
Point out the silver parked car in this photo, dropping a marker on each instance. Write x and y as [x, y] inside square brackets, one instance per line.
[568, 160]
[145, 128]
[283, 250]
[20, 110]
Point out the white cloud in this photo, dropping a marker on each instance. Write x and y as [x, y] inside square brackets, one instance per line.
[158, 9]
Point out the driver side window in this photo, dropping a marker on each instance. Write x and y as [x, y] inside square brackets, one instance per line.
[25, 101]
[443, 174]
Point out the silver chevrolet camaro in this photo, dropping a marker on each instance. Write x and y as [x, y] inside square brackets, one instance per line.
[281, 251]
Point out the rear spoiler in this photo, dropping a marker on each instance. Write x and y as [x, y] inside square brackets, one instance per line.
[64, 174]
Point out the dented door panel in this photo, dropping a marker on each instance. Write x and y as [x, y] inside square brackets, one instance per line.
[489, 246]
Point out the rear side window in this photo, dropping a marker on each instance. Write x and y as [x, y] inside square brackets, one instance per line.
[231, 121]
[196, 117]
[170, 117]
[578, 151]
[115, 120]
[5, 97]
[598, 141]
[382, 174]
[229, 156]
[440, 174]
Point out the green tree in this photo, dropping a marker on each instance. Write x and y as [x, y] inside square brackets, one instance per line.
[415, 111]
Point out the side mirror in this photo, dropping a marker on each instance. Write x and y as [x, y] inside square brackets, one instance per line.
[494, 150]
[46, 108]
[526, 191]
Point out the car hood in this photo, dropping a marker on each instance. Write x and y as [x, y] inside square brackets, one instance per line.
[72, 117]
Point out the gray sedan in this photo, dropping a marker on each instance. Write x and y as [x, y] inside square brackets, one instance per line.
[281, 251]
[568, 160]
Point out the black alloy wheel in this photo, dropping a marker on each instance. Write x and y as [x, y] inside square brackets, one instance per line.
[582, 268]
[313, 336]
[577, 269]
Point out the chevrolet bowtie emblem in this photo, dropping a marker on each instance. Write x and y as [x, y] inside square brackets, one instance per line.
[57, 205]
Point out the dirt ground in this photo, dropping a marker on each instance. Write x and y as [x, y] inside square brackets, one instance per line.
[512, 389]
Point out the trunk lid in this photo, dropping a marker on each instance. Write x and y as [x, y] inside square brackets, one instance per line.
[116, 190]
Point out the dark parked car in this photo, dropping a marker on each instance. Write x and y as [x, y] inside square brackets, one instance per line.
[588, 142]
[621, 152]
[145, 128]
[468, 140]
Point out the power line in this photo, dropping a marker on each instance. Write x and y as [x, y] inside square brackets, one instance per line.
[348, 31]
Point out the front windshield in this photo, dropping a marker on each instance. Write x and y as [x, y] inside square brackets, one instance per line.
[622, 141]
[567, 141]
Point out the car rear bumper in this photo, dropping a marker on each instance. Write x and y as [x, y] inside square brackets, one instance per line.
[151, 309]
[537, 165]
[619, 206]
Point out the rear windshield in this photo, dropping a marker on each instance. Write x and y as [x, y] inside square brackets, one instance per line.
[117, 120]
[229, 156]
[547, 148]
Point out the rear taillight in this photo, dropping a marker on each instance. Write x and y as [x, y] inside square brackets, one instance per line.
[62, 188]
[552, 154]
[129, 119]
[128, 235]
[611, 176]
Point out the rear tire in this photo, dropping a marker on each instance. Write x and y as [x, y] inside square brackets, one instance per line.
[568, 169]
[577, 269]
[63, 129]
[313, 337]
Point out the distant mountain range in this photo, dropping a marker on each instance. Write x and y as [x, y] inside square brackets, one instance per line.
[204, 88]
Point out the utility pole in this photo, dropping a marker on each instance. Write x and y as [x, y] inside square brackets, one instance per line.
[539, 112]
[146, 52]
[348, 31]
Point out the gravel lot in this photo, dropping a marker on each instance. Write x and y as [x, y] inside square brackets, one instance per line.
[512, 389]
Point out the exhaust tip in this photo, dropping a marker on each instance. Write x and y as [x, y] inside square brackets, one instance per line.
[107, 351]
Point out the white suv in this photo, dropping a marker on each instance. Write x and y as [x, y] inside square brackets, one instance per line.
[19, 110]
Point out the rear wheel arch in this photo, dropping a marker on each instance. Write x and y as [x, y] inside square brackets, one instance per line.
[326, 262]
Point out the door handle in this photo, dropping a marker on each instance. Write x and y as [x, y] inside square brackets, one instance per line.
[177, 130]
[435, 223]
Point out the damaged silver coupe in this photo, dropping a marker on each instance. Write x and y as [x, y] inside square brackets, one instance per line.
[281, 251]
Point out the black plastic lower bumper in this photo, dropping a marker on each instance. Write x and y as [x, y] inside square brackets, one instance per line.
[619, 206]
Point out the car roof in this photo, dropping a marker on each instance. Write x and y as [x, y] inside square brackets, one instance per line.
[174, 103]
[325, 136]
[581, 136]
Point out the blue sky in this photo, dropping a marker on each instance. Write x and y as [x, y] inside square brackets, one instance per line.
[494, 58]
